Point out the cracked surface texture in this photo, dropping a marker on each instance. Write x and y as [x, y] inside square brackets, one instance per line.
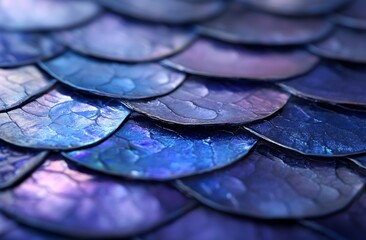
[270, 183]
[202, 101]
[62, 119]
[217, 59]
[144, 149]
[131, 81]
[315, 129]
[20, 84]
[15, 163]
[77, 203]
[121, 39]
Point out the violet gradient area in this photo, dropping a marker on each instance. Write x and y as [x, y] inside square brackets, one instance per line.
[315, 129]
[115, 38]
[67, 200]
[270, 183]
[204, 101]
[17, 48]
[212, 58]
[112, 79]
[62, 119]
[145, 149]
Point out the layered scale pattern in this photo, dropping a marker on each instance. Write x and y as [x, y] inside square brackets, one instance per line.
[182, 119]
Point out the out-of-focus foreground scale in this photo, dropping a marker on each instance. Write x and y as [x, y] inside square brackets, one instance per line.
[182, 119]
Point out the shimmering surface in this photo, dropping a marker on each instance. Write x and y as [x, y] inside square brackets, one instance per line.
[144, 149]
[332, 82]
[168, 11]
[240, 24]
[45, 14]
[298, 7]
[203, 223]
[360, 160]
[68, 200]
[62, 119]
[354, 15]
[270, 183]
[344, 44]
[350, 223]
[122, 39]
[20, 84]
[216, 59]
[132, 81]
[201, 101]
[15, 163]
[316, 129]
[18, 49]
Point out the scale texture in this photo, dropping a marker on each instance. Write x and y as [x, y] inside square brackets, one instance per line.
[182, 119]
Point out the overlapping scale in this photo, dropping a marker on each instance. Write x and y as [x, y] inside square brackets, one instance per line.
[204, 101]
[116, 38]
[203, 223]
[360, 160]
[354, 15]
[212, 58]
[144, 149]
[17, 49]
[20, 84]
[112, 79]
[298, 7]
[240, 24]
[349, 223]
[62, 119]
[15, 163]
[73, 202]
[344, 44]
[167, 11]
[315, 129]
[272, 183]
[331, 82]
[33, 15]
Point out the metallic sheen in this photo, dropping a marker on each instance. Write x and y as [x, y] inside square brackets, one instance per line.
[344, 44]
[203, 101]
[62, 119]
[62, 198]
[240, 24]
[45, 14]
[204, 224]
[112, 79]
[144, 149]
[17, 49]
[315, 129]
[217, 59]
[332, 82]
[18, 85]
[121, 39]
[270, 183]
[16, 163]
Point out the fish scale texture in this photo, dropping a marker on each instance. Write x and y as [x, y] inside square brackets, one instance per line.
[182, 119]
